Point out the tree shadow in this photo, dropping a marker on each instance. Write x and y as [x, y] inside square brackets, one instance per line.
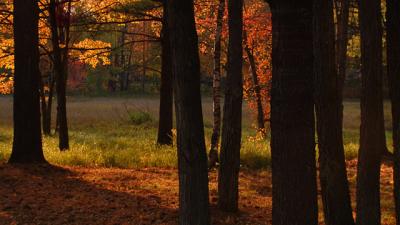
[53, 195]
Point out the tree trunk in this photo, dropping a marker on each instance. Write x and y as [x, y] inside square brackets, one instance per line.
[292, 114]
[192, 156]
[27, 143]
[61, 71]
[372, 133]
[342, 14]
[46, 106]
[393, 56]
[166, 96]
[213, 155]
[257, 89]
[328, 104]
[48, 111]
[43, 103]
[228, 177]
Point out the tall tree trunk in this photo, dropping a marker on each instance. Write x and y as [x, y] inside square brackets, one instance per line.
[213, 155]
[228, 177]
[342, 14]
[292, 114]
[192, 156]
[328, 104]
[166, 96]
[257, 89]
[393, 66]
[27, 143]
[372, 138]
[60, 67]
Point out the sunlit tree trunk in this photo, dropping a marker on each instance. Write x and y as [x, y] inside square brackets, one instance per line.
[192, 156]
[328, 105]
[228, 177]
[372, 138]
[294, 194]
[27, 143]
[213, 155]
[393, 66]
[166, 96]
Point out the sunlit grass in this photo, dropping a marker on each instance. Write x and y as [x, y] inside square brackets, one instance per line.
[131, 146]
[103, 134]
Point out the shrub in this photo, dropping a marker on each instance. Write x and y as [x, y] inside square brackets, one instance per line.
[140, 117]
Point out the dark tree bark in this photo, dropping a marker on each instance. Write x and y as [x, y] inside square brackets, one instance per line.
[257, 89]
[192, 156]
[393, 69]
[27, 143]
[213, 155]
[166, 96]
[46, 105]
[372, 133]
[328, 104]
[294, 175]
[342, 14]
[228, 177]
[61, 70]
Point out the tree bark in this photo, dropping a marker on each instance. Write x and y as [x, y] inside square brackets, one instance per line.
[342, 14]
[372, 138]
[393, 70]
[166, 96]
[192, 156]
[294, 191]
[27, 142]
[61, 70]
[257, 90]
[228, 177]
[328, 104]
[213, 155]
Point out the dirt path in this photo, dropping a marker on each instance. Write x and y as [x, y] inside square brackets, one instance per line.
[74, 195]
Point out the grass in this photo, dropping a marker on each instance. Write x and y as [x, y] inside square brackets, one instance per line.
[121, 132]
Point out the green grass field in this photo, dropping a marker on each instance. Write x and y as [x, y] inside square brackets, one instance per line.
[114, 132]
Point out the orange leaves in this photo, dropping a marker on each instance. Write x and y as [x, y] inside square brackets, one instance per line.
[92, 52]
[6, 84]
[258, 38]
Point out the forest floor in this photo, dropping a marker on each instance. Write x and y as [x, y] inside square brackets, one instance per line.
[77, 195]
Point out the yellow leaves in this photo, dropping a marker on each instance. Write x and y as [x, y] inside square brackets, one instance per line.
[7, 54]
[92, 52]
[6, 84]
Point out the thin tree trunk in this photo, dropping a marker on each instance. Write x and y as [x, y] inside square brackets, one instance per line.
[292, 115]
[27, 142]
[393, 69]
[60, 66]
[257, 89]
[192, 156]
[372, 138]
[43, 103]
[47, 124]
[166, 95]
[328, 104]
[213, 155]
[144, 58]
[228, 177]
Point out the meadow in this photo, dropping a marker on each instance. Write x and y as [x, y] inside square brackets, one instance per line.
[115, 173]
[121, 132]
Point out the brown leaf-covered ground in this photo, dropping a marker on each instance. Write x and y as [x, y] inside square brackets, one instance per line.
[74, 195]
